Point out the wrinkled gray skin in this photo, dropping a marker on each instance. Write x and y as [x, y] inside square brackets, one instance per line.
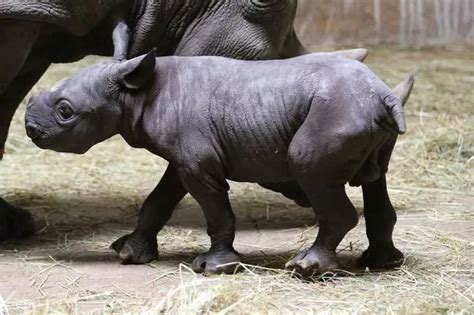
[33, 35]
[319, 120]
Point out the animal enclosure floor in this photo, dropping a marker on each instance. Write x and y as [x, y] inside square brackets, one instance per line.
[83, 203]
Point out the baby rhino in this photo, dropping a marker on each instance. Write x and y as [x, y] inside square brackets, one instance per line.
[318, 119]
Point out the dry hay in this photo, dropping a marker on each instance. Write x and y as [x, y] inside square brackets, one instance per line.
[85, 202]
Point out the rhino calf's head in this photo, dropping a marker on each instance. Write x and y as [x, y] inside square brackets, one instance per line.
[86, 108]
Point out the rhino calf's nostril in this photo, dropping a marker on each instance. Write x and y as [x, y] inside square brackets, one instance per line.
[33, 131]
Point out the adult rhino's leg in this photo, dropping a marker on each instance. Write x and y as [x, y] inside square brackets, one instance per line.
[140, 246]
[15, 222]
[16, 40]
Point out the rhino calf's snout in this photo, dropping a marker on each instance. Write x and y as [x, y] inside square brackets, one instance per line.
[33, 131]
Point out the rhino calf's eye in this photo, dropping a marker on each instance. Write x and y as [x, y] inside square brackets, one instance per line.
[65, 110]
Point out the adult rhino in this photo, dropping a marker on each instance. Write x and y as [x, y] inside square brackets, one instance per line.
[37, 33]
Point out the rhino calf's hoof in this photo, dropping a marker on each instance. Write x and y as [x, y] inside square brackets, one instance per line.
[217, 262]
[15, 222]
[136, 248]
[313, 261]
[381, 257]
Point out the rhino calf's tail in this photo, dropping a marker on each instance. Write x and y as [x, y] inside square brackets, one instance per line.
[395, 104]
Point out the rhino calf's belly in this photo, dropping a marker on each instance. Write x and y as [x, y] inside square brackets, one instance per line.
[260, 169]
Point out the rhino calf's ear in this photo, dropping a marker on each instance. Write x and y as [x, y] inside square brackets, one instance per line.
[135, 73]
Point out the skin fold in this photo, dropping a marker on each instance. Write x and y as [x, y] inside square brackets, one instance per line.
[319, 120]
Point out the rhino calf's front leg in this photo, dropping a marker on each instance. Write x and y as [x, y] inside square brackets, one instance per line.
[221, 257]
[140, 247]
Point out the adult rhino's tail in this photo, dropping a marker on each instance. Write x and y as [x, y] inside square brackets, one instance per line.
[395, 104]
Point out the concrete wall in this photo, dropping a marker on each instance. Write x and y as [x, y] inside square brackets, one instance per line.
[385, 21]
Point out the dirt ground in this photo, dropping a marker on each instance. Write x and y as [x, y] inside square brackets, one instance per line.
[83, 203]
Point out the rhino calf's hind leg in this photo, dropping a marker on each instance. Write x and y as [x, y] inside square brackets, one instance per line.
[380, 219]
[337, 217]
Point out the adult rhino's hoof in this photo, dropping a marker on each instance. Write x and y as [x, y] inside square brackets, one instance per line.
[312, 262]
[217, 262]
[381, 257]
[136, 249]
[14, 222]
